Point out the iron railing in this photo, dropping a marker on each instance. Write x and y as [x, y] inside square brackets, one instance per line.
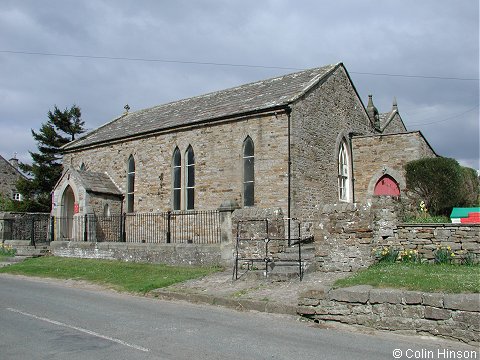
[196, 227]
[33, 227]
[260, 241]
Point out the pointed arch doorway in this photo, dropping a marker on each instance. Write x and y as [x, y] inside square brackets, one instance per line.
[386, 185]
[68, 210]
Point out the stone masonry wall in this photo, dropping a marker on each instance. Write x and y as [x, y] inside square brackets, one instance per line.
[348, 235]
[252, 226]
[344, 238]
[218, 163]
[453, 316]
[426, 238]
[319, 121]
[171, 254]
[377, 155]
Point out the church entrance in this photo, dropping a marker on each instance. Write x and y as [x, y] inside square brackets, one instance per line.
[68, 210]
[386, 186]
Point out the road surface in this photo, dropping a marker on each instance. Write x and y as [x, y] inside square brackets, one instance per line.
[43, 319]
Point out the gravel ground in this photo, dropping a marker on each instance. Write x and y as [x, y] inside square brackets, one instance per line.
[285, 292]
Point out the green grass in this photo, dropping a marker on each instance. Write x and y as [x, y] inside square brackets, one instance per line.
[423, 277]
[439, 219]
[123, 276]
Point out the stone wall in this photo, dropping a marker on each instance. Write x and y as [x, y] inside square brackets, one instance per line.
[426, 238]
[348, 235]
[453, 316]
[25, 226]
[378, 155]
[171, 254]
[323, 117]
[344, 238]
[218, 150]
[252, 226]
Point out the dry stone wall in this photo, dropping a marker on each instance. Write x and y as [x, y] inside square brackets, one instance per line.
[453, 316]
[348, 235]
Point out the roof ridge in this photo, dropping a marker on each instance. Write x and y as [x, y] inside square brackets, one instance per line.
[212, 93]
[241, 99]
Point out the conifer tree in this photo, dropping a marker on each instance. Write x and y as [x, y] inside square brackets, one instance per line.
[46, 168]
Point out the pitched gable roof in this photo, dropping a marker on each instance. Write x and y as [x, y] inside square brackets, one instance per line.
[94, 182]
[98, 183]
[13, 169]
[257, 96]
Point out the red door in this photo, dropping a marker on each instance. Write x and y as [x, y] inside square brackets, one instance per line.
[387, 186]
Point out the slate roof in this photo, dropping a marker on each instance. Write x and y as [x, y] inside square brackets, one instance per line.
[257, 96]
[99, 183]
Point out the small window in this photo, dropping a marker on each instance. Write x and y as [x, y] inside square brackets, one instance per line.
[106, 210]
[248, 172]
[83, 167]
[130, 184]
[177, 179]
[343, 173]
[190, 179]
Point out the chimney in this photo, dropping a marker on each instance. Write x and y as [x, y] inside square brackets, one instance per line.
[373, 113]
[14, 161]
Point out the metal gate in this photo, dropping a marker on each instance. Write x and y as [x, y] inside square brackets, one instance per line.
[259, 243]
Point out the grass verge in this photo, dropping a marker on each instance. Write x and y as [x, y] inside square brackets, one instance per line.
[123, 276]
[422, 277]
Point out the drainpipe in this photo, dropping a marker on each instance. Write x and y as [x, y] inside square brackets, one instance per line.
[288, 110]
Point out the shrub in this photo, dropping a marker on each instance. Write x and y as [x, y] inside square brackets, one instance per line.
[442, 183]
[471, 188]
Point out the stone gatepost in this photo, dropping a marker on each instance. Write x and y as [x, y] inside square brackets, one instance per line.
[227, 242]
[5, 226]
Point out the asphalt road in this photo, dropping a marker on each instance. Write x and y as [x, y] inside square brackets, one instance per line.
[58, 320]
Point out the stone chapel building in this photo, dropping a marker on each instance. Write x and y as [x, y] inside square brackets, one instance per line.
[293, 142]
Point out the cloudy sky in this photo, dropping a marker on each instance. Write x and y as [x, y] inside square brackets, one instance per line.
[102, 54]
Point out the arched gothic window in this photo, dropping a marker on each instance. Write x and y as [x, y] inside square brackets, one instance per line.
[106, 210]
[190, 179]
[177, 179]
[248, 172]
[343, 173]
[130, 184]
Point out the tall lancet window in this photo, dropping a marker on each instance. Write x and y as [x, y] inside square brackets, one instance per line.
[177, 179]
[190, 179]
[343, 173]
[248, 172]
[130, 184]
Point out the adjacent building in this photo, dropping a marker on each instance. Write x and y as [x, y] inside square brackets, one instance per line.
[9, 175]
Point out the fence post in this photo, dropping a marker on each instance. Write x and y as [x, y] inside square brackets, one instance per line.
[32, 232]
[123, 229]
[85, 231]
[52, 226]
[169, 233]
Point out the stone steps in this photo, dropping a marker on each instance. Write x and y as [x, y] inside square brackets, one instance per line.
[25, 249]
[284, 266]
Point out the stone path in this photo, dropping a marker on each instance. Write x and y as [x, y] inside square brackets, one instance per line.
[260, 295]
